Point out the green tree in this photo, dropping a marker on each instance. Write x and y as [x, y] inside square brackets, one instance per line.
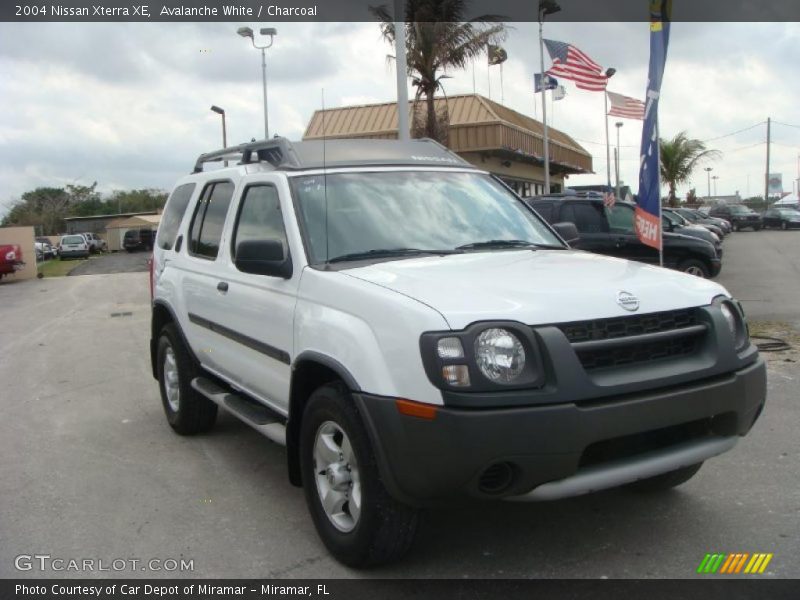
[437, 39]
[44, 208]
[679, 158]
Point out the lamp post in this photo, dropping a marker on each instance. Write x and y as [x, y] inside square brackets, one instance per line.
[715, 177]
[247, 32]
[546, 7]
[221, 113]
[609, 74]
[618, 125]
[708, 173]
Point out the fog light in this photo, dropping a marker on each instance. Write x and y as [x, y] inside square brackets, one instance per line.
[456, 375]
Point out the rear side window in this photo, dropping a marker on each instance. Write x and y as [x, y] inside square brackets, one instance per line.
[173, 214]
[209, 217]
[260, 217]
[73, 239]
[588, 217]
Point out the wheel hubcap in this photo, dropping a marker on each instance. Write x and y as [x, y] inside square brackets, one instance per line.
[171, 381]
[337, 477]
[697, 271]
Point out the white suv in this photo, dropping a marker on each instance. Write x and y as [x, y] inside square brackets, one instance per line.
[415, 334]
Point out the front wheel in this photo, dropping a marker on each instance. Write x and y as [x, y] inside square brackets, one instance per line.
[695, 267]
[660, 483]
[356, 518]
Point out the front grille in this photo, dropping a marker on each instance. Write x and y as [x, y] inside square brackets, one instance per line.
[605, 343]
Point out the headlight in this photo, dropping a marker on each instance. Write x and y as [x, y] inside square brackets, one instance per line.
[715, 236]
[499, 355]
[734, 318]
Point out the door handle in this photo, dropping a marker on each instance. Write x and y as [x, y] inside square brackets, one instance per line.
[222, 286]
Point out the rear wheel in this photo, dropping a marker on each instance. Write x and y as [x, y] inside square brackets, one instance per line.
[356, 518]
[695, 267]
[188, 412]
[659, 483]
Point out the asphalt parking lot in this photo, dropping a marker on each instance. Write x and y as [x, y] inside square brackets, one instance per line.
[90, 469]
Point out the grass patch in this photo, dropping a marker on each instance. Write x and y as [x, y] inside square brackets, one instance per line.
[58, 268]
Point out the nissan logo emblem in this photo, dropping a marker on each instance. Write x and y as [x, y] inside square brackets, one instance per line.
[627, 301]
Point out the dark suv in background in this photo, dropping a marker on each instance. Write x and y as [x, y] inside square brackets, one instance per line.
[138, 239]
[738, 215]
[610, 231]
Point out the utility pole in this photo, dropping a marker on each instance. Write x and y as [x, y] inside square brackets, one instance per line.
[402, 69]
[766, 175]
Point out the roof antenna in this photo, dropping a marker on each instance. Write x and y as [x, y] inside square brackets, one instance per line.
[325, 178]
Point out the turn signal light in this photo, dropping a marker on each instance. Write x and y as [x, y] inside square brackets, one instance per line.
[416, 409]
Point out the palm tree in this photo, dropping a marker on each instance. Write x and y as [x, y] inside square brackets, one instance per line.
[437, 38]
[679, 157]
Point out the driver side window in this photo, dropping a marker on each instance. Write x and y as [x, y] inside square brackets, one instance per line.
[260, 217]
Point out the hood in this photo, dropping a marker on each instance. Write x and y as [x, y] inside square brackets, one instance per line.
[535, 287]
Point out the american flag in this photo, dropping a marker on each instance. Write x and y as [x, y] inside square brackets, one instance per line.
[609, 199]
[625, 106]
[571, 63]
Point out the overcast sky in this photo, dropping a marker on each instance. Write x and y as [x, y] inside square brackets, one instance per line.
[127, 105]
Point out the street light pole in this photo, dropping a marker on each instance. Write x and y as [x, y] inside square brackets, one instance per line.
[221, 113]
[247, 32]
[401, 66]
[546, 7]
[715, 177]
[708, 174]
[609, 74]
[618, 125]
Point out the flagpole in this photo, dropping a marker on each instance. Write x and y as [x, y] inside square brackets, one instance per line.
[544, 110]
[608, 147]
[658, 187]
[474, 89]
[502, 92]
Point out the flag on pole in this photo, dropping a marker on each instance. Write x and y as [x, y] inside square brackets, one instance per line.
[609, 199]
[570, 63]
[625, 106]
[648, 205]
[559, 93]
[550, 83]
[496, 54]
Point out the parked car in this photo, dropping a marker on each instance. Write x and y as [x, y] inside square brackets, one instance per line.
[44, 249]
[10, 259]
[720, 227]
[138, 239]
[785, 218]
[414, 334]
[739, 216]
[610, 231]
[675, 223]
[96, 243]
[73, 246]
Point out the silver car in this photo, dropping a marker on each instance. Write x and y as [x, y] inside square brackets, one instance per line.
[73, 246]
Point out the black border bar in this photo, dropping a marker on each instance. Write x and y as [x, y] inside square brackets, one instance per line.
[273, 11]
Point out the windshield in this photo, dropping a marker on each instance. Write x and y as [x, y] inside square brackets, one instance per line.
[400, 213]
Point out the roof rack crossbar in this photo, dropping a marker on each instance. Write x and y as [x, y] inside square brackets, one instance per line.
[278, 152]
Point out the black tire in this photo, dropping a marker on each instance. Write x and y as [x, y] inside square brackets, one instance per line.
[195, 413]
[385, 528]
[695, 267]
[667, 481]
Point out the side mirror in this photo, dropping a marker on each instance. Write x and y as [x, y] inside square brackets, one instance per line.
[567, 231]
[263, 257]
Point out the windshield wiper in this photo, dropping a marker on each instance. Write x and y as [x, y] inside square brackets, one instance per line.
[387, 252]
[507, 244]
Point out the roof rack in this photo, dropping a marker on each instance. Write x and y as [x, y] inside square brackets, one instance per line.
[278, 152]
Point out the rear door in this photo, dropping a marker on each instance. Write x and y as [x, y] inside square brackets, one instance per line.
[202, 270]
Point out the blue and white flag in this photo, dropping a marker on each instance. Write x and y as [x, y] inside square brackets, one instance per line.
[648, 204]
[550, 83]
